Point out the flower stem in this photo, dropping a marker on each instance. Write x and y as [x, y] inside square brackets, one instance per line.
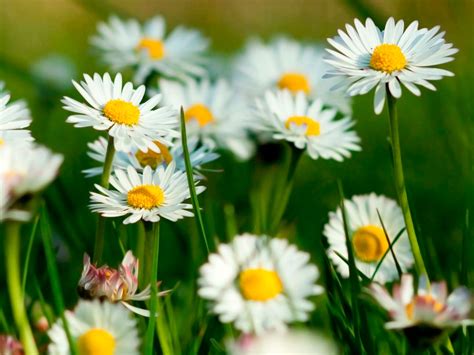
[400, 185]
[12, 259]
[104, 182]
[153, 234]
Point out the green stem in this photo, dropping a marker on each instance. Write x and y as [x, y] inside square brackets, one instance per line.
[154, 235]
[12, 259]
[104, 182]
[140, 253]
[400, 185]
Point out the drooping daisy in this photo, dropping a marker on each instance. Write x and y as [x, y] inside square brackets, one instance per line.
[199, 155]
[287, 64]
[118, 109]
[308, 125]
[97, 328]
[116, 285]
[14, 118]
[24, 171]
[259, 284]
[368, 238]
[429, 306]
[290, 342]
[146, 48]
[215, 113]
[370, 58]
[148, 196]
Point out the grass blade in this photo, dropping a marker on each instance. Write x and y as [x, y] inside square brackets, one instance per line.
[28, 253]
[397, 264]
[395, 240]
[150, 332]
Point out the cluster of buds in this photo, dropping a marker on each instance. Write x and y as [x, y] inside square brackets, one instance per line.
[114, 285]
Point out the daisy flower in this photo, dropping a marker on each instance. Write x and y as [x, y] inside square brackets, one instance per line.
[24, 171]
[118, 109]
[96, 328]
[199, 155]
[368, 58]
[116, 285]
[215, 114]
[14, 118]
[308, 125]
[369, 241]
[259, 284]
[429, 306]
[149, 196]
[146, 48]
[287, 64]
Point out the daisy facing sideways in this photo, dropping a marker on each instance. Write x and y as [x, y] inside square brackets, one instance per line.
[307, 125]
[367, 57]
[96, 328]
[118, 109]
[429, 306]
[149, 196]
[146, 48]
[285, 64]
[14, 119]
[367, 236]
[259, 284]
[215, 114]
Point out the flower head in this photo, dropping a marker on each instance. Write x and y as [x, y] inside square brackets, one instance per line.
[97, 328]
[259, 284]
[368, 58]
[125, 44]
[368, 238]
[118, 109]
[14, 119]
[308, 125]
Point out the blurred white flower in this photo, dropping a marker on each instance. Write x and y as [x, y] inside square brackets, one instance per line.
[54, 70]
[14, 119]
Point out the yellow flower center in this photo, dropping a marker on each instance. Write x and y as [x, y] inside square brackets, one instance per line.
[146, 196]
[200, 113]
[155, 47]
[370, 243]
[122, 112]
[294, 82]
[312, 127]
[153, 159]
[2, 142]
[96, 341]
[388, 58]
[427, 301]
[260, 284]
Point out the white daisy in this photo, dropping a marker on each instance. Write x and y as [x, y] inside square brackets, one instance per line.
[145, 47]
[24, 171]
[429, 306]
[14, 118]
[368, 238]
[308, 125]
[368, 57]
[96, 328]
[199, 155]
[259, 284]
[148, 196]
[287, 64]
[214, 112]
[119, 110]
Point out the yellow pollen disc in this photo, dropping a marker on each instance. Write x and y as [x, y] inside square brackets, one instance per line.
[427, 300]
[145, 196]
[122, 112]
[155, 47]
[388, 58]
[154, 159]
[260, 284]
[200, 113]
[1, 141]
[294, 82]
[312, 127]
[96, 341]
[369, 243]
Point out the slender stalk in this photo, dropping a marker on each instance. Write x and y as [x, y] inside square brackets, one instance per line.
[104, 182]
[400, 185]
[12, 259]
[140, 253]
[153, 234]
[28, 254]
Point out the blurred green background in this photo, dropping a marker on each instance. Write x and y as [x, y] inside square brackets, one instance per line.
[436, 129]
